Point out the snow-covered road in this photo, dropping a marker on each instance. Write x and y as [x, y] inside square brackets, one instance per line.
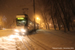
[14, 42]
[41, 40]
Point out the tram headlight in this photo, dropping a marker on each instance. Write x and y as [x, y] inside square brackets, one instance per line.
[16, 30]
[23, 30]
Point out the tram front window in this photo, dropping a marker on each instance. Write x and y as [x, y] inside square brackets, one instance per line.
[21, 22]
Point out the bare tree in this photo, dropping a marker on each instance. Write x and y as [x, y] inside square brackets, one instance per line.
[60, 11]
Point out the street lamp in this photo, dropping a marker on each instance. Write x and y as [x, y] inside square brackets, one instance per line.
[34, 13]
[37, 18]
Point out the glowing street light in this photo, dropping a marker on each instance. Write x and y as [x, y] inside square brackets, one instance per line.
[37, 18]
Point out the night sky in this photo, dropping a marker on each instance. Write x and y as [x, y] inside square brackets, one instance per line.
[9, 8]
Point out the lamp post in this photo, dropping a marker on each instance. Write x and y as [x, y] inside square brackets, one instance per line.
[34, 13]
[39, 21]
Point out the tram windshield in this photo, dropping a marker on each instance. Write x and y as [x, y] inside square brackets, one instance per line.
[20, 21]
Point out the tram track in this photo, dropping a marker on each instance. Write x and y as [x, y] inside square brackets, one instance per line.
[26, 45]
[21, 45]
[39, 43]
[33, 44]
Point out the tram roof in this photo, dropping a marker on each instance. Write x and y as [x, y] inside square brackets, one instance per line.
[20, 15]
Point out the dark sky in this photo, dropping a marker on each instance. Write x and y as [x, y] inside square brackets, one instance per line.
[9, 8]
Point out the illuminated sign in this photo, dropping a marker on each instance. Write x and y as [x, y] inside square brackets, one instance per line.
[20, 18]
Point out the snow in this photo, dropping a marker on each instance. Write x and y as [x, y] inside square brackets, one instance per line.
[55, 39]
[40, 40]
[7, 43]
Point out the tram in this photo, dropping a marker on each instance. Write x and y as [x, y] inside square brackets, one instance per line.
[24, 24]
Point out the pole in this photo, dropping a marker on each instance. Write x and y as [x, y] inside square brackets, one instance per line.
[25, 10]
[34, 13]
[40, 24]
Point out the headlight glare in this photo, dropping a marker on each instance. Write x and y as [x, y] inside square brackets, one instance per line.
[23, 30]
[16, 30]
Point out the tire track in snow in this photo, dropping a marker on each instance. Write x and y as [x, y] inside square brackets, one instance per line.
[25, 44]
[21, 45]
[28, 44]
[39, 43]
